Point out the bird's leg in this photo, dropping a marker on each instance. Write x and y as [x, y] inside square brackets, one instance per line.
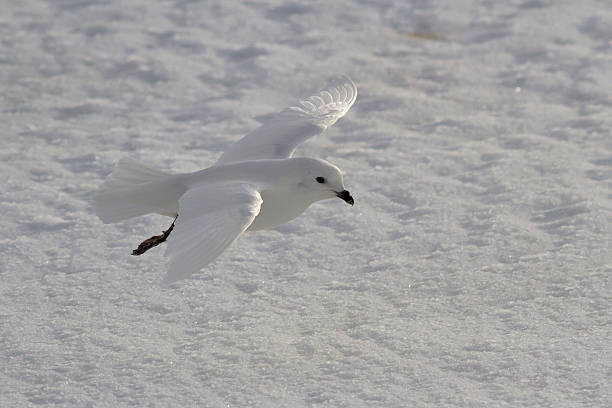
[153, 241]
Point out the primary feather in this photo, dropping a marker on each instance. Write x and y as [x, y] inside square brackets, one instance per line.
[279, 136]
[211, 218]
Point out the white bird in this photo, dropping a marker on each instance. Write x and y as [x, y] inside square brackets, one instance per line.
[256, 184]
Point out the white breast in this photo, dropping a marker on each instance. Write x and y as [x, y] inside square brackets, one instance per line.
[278, 207]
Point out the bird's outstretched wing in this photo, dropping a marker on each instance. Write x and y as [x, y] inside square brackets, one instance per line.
[210, 218]
[278, 137]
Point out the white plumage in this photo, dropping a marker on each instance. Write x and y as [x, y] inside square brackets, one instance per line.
[254, 185]
[283, 132]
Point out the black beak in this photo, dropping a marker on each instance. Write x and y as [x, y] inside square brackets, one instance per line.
[346, 196]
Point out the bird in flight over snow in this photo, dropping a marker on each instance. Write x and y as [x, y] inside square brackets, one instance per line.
[256, 184]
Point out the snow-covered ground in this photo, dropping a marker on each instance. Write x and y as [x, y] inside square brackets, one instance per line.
[474, 269]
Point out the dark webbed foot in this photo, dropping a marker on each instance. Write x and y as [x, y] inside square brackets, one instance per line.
[153, 241]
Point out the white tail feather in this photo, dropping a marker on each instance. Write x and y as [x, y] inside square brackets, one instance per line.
[134, 189]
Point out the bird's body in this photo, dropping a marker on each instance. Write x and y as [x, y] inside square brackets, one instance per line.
[255, 185]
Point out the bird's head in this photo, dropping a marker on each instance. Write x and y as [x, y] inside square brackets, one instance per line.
[318, 179]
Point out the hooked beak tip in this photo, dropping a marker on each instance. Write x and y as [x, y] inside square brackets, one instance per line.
[346, 196]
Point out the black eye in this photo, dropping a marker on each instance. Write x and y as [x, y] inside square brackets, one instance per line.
[320, 180]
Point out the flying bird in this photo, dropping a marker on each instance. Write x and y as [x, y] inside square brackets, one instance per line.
[256, 184]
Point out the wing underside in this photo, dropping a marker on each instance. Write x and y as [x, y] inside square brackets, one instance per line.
[279, 136]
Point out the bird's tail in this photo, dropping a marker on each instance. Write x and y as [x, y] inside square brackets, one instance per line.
[134, 189]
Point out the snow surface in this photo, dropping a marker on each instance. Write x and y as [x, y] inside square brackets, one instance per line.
[474, 269]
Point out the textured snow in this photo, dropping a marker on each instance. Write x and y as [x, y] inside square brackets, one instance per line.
[474, 269]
